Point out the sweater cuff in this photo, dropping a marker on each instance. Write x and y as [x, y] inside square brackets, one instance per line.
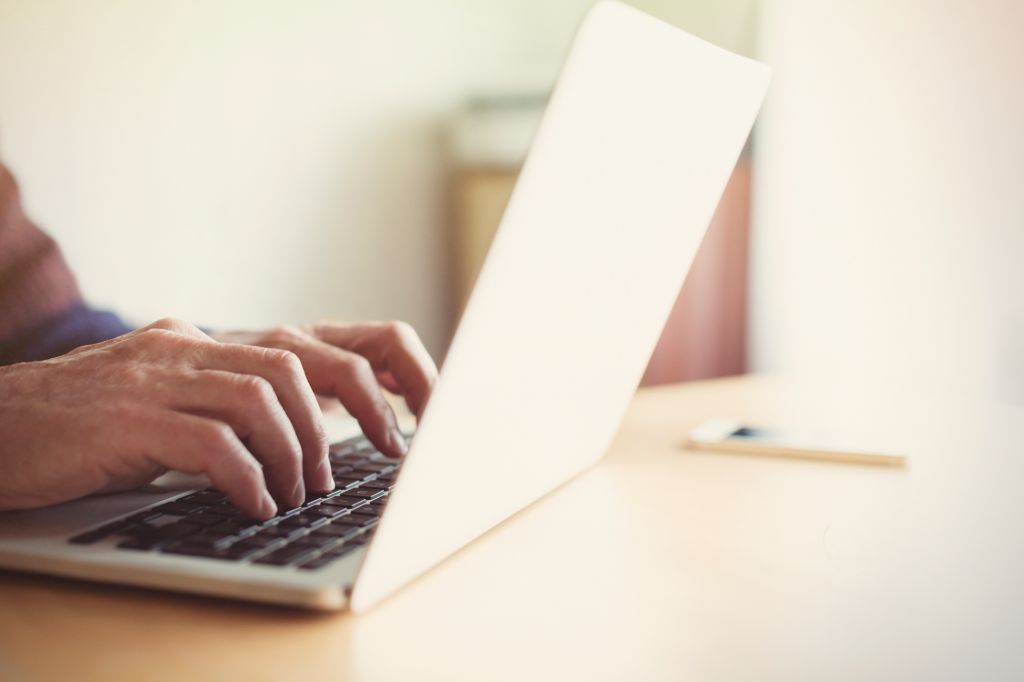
[77, 326]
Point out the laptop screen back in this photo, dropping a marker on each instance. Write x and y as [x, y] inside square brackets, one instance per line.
[631, 158]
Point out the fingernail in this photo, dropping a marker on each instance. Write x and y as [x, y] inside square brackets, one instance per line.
[397, 442]
[299, 494]
[267, 506]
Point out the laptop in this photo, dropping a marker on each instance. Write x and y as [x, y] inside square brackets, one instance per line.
[631, 157]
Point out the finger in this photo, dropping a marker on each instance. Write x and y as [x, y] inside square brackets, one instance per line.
[388, 382]
[285, 373]
[350, 378]
[391, 347]
[249, 404]
[198, 445]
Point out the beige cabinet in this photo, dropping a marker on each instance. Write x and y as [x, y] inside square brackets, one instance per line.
[480, 197]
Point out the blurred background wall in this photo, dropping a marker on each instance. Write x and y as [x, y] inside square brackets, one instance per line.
[888, 226]
[249, 163]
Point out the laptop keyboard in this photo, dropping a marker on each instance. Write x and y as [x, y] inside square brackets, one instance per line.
[325, 528]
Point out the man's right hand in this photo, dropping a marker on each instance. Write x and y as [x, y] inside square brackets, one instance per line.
[115, 415]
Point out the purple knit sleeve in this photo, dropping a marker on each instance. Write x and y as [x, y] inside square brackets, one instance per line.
[77, 326]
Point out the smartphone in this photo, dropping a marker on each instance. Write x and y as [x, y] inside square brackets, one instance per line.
[730, 435]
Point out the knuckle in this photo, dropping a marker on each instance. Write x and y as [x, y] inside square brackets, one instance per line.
[171, 324]
[155, 336]
[399, 330]
[282, 359]
[160, 336]
[166, 323]
[254, 388]
[217, 436]
[357, 365]
[284, 336]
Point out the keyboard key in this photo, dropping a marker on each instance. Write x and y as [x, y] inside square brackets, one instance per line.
[359, 492]
[178, 508]
[371, 468]
[370, 523]
[207, 519]
[166, 533]
[350, 543]
[143, 516]
[335, 529]
[285, 556]
[316, 562]
[244, 549]
[233, 526]
[210, 539]
[207, 497]
[263, 543]
[377, 485]
[275, 531]
[144, 544]
[284, 512]
[338, 502]
[312, 496]
[351, 521]
[312, 540]
[345, 456]
[348, 452]
[350, 503]
[225, 511]
[202, 551]
[305, 519]
[344, 448]
[350, 533]
[325, 511]
[235, 552]
[89, 537]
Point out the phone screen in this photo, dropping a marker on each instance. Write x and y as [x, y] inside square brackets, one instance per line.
[750, 433]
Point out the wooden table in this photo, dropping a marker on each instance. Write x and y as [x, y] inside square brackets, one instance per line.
[658, 564]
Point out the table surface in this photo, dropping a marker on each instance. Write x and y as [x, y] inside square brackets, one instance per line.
[660, 563]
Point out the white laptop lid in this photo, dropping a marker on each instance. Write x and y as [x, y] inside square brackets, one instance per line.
[634, 151]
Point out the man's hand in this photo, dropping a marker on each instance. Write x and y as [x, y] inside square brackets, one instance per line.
[352, 362]
[116, 415]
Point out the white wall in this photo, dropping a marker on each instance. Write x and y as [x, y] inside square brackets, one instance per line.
[888, 221]
[245, 163]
